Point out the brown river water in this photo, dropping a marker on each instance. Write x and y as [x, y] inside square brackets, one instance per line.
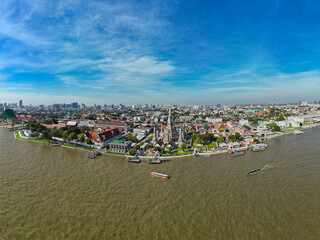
[59, 193]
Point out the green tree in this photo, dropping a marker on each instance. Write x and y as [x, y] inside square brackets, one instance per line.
[65, 134]
[132, 151]
[220, 139]
[300, 124]
[34, 134]
[55, 133]
[157, 149]
[48, 121]
[238, 136]
[276, 128]
[246, 127]
[232, 138]
[45, 134]
[72, 136]
[81, 139]
[85, 129]
[132, 138]
[281, 118]
[89, 141]
[256, 140]
[149, 147]
[199, 140]
[184, 147]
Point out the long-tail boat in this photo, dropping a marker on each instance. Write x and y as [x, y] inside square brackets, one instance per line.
[254, 171]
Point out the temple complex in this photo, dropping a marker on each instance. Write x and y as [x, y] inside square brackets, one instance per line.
[169, 134]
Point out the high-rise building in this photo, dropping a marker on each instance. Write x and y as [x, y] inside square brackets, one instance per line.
[20, 103]
[74, 105]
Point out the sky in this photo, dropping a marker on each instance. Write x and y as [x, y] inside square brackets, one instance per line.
[159, 52]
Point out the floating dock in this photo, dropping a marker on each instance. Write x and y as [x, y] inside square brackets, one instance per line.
[134, 160]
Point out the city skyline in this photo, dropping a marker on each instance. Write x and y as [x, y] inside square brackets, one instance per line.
[167, 52]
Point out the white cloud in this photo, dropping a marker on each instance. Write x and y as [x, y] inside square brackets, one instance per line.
[112, 43]
[145, 65]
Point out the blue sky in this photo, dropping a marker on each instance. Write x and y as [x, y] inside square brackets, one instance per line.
[159, 52]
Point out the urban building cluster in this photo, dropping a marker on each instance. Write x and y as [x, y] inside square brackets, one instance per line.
[158, 130]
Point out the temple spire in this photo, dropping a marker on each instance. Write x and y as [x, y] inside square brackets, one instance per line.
[154, 137]
[180, 141]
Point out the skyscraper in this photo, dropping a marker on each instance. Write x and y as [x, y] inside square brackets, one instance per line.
[20, 103]
[74, 105]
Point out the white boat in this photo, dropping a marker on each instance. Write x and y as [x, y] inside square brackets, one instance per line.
[261, 145]
[297, 132]
[159, 175]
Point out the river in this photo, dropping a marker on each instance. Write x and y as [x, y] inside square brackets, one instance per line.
[59, 193]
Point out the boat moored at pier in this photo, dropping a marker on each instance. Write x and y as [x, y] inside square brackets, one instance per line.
[258, 149]
[134, 160]
[235, 154]
[55, 144]
[94, 155]
[155, 161]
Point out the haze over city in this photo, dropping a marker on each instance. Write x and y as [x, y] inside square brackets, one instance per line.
[159, 52]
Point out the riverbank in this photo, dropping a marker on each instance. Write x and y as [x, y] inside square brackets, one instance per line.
[46, 141]
[305, 127]
[163, 157]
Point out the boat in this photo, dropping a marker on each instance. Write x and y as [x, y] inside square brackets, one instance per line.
[97, 153]
[234, 154]
[55, 144]
[134, 160]
[263, 145]
[159, 175]
[94, 155]
[258, 149]
[240, 149]
[297, 132]
[155, 161]
[254, 171]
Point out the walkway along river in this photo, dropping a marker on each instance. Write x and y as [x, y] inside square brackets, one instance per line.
[59, 193]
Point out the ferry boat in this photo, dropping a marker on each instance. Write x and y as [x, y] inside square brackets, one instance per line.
[159, 175]
[253, 171]
[234, 154]
[55, 144]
